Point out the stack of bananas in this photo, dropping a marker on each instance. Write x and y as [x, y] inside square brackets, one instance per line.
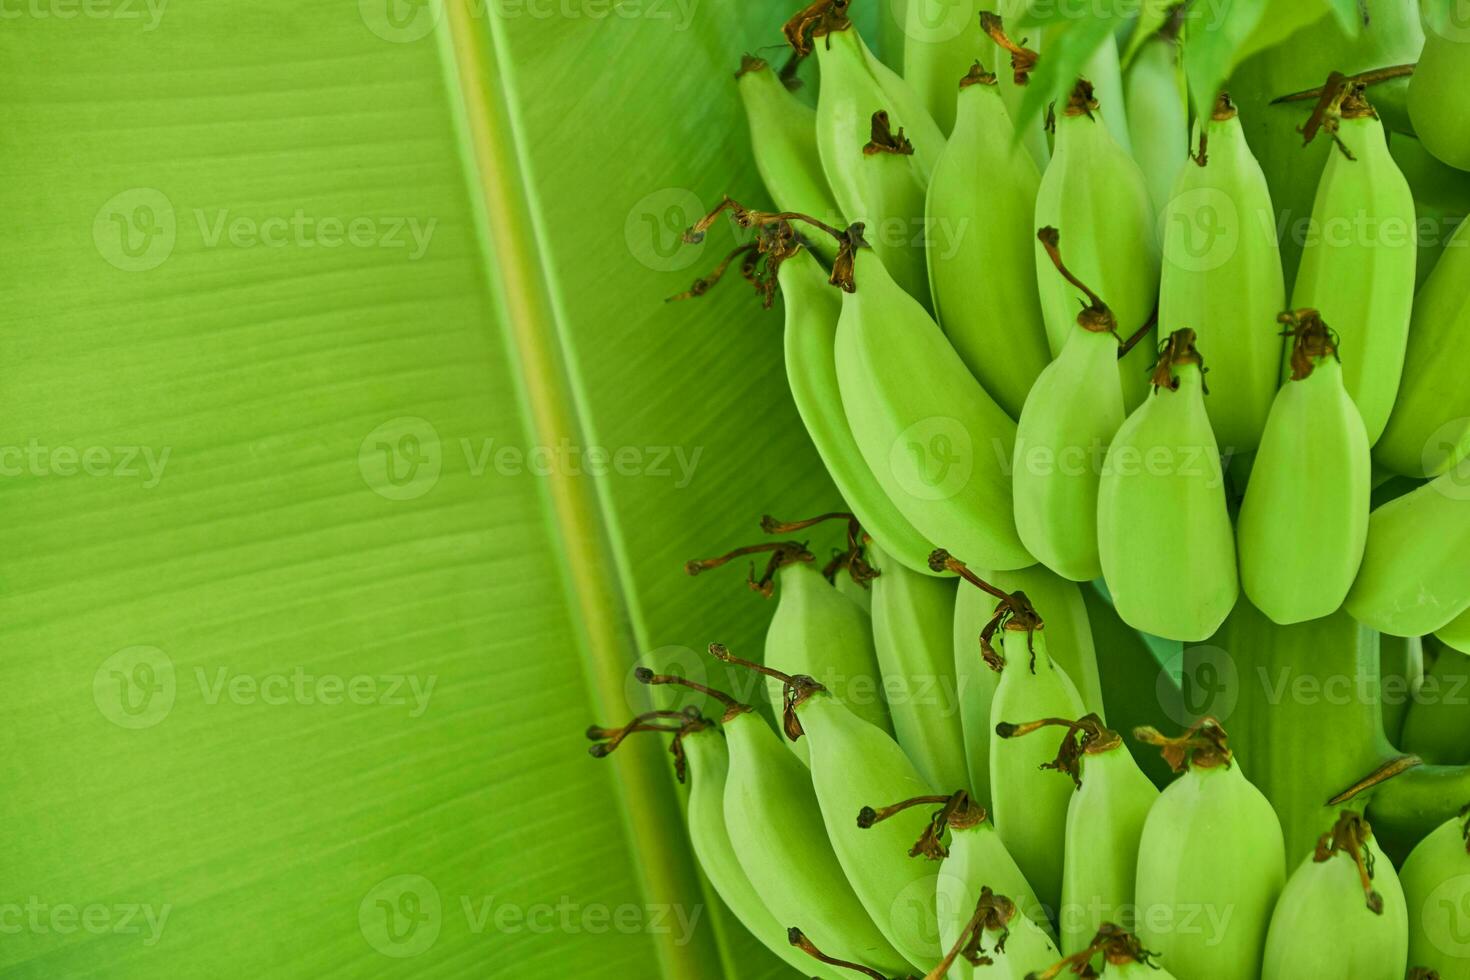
[1081, 417]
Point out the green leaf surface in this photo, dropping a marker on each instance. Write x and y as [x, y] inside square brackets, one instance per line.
[312, 579]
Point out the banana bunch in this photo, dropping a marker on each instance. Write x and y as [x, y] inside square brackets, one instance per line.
[1048, 534]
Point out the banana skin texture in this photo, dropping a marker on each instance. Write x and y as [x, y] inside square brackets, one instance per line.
[1164, 534]
[1094, 193]
[709, 766]
[1222, 276]
[1415, 578]
[1210, 871]
[913, 617]
[783, 140]
[1429, 430]
[978, 214]
[1331, 922]
[1358, 261]
[1304, 520]
[812, 308]
[776, 829]
[932, 437]
[1029, 803]
[1439, 119]
[1436, 884]
[855, 765]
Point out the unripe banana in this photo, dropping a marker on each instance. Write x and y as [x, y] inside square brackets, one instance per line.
[1415, 577]
[1123, 958]
[783, 141]
[1400, 673]
[941, 41]
[774, 823]
[1357, 265]
[854, 764]
[1105, 819]
[1020, 55]
[1444, 68]
[913, 619]
[1222, 276]
[1030, 805]
[1456, 633]
[1164, 534]
[812, 308]
[816, 631]
[710, 840]
[1158, 115]
[997, 942]
[932, 437]
[1069, 644]
[1342, 912]
[909, 109]
[1437, 727]
[978, 216]
[1094, 191]
[1304, 520]
[1069, 419]
[1104, 71]
[1429, 430]
[1212, 865]
[1436, 883]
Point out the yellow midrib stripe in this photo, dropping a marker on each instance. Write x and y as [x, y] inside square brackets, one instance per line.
[652, 823]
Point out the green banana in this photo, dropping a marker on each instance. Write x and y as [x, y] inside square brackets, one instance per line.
[1358, 261]
[1070, 417]
[1304, 520]
[1456, 633]
[978, 216]
[1123, 958]
[932, 437]
[908, 108]
[1443, 68]
[812, 308]
[1030, 805]
[1429, 430]
[699, 745]
[1021, 56]
[1094, 191]
[1105, 819]
[1222, 275]
[1415, 579]
[1158, 115]
[1213, 865]
[971, 859]
[913, 619]
[854, 764]
[1436, 883]
[1342, 912]
[815, 630]
[941, 41]
[997, 942]
[772, 816]
[1104, 70]
[783, 141]
[1437, 724]
[1070, 646]
[1162, 494]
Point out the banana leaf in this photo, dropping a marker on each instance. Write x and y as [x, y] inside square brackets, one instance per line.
[350, 458]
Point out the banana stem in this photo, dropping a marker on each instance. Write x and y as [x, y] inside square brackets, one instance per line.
[1095, 316]
[1137, 336]
[782, 553]
[1023, 59]
[798, 939]
[992, 912]
[795, 688]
